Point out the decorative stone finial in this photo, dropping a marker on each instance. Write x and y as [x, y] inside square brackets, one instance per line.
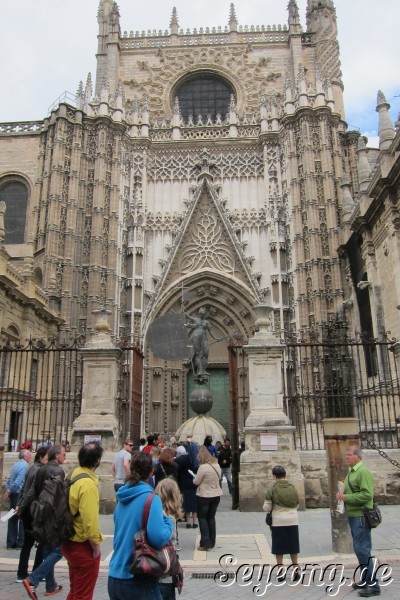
[174, 24]
[294, 17]
[102, 318]
[233, 24]
[79, 96]
[386, 129]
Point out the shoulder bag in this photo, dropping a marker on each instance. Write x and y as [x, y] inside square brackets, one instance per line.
[372, 515]
[219, 479]
[149, 561]
[268, 516]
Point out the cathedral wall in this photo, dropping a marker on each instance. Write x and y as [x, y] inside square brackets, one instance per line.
[167, 196]
[20, 155]
[386, 292]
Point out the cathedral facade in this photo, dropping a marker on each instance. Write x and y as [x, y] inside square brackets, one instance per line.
[207, 168]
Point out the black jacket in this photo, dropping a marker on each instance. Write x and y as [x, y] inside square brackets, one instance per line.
[224, 457]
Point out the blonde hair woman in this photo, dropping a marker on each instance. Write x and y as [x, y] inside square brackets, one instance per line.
[168, 491]
[208, 493]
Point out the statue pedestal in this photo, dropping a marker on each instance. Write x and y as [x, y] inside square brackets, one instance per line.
[268, 432]
[99, 392]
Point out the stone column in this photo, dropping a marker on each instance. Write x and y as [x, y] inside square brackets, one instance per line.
[338, 435]
[100, 387]
[268, 432]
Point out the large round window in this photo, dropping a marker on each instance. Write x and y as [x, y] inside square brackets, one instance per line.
[204, 94]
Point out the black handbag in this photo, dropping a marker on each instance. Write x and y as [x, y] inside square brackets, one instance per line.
[149, 561]
[268, 518]
[372, 515]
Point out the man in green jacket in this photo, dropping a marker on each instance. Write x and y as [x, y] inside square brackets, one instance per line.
[358, 494]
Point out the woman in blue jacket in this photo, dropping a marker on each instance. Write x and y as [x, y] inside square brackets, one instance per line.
[128, 521]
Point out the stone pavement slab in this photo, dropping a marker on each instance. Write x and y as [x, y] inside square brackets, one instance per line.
[242, 539]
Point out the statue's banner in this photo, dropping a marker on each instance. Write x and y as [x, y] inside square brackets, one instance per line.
[168, 338]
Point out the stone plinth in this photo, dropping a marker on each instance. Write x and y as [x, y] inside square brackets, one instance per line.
[99, 391]
[266, 421]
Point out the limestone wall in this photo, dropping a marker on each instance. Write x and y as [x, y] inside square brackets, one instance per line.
[387, 477]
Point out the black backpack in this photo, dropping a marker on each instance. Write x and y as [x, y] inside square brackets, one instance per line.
[52, 521]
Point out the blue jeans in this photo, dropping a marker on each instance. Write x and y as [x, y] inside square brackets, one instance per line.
[167, 591]
[228, 474]
[134, 589]
[15, 527]
[206, 510]
[362, 544]
[51, 556]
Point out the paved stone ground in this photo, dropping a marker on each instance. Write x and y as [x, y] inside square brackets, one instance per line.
[245, 537]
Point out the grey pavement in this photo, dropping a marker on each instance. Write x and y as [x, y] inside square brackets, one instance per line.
[240, 564]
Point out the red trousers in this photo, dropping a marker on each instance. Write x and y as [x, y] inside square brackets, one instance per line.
[83, 569]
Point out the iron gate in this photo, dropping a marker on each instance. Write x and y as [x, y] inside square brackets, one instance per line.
[129, 400]
[40, 392]
[328, 374]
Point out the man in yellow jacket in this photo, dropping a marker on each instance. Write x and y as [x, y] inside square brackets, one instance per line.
[82, 551]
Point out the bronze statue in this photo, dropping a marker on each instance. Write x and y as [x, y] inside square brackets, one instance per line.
[199, 327]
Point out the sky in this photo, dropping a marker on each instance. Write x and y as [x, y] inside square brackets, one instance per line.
[48, 46]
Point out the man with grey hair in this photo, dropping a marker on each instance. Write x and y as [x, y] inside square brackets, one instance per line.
[14, 484]
[358, 494]
[121, 466]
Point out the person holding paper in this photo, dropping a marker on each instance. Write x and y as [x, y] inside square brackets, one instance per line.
[14, 485]
[358, 494]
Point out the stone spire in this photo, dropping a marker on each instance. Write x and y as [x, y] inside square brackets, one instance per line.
[174, 24]
[364, 168]
[294, 17]
[386, 129]
[79, 96]
[233, 24]
[88, 90]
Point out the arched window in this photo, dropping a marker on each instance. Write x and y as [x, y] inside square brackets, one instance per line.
[204, 94]
[15, 195]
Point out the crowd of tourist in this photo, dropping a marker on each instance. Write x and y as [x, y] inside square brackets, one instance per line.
[158, 486]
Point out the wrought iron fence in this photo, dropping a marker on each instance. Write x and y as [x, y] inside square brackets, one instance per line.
[329, 374]
[40, 391]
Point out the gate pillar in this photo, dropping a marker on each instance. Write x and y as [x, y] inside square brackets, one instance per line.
[268, 432]
[99, 388]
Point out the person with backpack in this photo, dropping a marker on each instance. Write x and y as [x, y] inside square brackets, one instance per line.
[82, 551]
[23, 510]
[51, 554]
